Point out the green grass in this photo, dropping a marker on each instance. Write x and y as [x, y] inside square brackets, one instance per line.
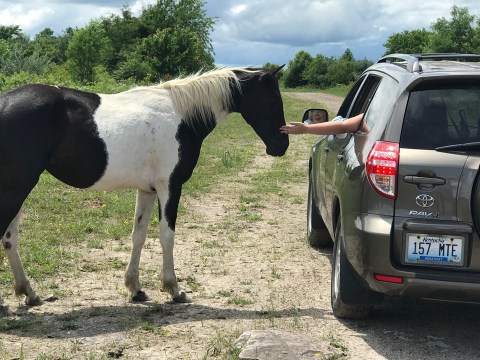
[239, 301]
[14, 324]
[294, 108]
[220, 346]
[339, 90]
[157, 330]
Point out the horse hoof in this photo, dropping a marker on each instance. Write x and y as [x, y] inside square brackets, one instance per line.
[140, 296]
[182, 298]
[35, 301]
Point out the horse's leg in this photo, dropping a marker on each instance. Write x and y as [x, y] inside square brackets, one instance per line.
[25, 155]
[10, 244]
[143, 212]
[168, 204]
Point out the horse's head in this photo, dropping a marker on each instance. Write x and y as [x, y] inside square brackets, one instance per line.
[260, 103]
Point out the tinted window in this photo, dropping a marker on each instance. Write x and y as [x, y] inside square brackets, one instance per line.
[347, 103]
[381, 106]
[442, 114]
[365, 95]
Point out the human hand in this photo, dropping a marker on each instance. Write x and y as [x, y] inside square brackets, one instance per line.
[294, 128]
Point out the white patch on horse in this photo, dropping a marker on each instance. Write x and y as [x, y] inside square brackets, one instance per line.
[139, 136]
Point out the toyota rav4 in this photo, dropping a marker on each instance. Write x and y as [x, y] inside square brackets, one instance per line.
[400, 198]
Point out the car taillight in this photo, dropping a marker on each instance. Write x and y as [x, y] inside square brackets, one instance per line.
[382, 168]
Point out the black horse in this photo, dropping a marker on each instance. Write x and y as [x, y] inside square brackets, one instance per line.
[147, 138]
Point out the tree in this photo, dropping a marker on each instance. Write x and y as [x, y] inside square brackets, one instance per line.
[296, 72]
[316, 72]
[455, 35]
[343, 71]
[88, 48]
[169, 38]
[124, 34]
[408, 42]
[17, 54]
[178, 37]
[63, 41]
[10, 32]
[134, 67]
[360, 66]
[171, 52]
[47, 45]
[347, 56]
[476, 38]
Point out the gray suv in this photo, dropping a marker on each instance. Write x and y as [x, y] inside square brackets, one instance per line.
[400, 198]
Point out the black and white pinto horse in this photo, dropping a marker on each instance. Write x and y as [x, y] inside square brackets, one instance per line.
[146, 138]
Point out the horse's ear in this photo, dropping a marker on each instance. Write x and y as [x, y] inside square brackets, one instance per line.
[275, 72]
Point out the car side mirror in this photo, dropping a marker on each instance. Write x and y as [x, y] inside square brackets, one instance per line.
[314, 116]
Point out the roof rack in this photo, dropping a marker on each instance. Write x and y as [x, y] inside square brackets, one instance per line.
[447, 56]
[412, 60]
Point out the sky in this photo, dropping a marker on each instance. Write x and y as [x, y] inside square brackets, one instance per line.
[254, 32]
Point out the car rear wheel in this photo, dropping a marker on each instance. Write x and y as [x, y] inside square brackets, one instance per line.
[317, 233]
[345, 288]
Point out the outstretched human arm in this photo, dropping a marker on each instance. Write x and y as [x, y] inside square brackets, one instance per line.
[327, 128]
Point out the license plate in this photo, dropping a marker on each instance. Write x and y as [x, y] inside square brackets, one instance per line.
[435, 249]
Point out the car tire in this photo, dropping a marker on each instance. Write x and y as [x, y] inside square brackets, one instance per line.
[344, 285]
[317, 233]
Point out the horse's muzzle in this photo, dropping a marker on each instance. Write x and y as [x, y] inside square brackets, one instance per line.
[278, 146]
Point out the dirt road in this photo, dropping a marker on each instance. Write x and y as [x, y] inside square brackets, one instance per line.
[243, 274]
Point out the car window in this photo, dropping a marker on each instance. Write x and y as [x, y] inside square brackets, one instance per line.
[365, 95]
[347, 103]
[442, 114]
[381, 105]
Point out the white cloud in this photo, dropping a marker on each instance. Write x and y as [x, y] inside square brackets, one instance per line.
[20, 15]
[238, 9]
[139, 5]
[34, 16]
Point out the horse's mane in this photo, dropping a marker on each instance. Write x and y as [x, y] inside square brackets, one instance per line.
[200, 93]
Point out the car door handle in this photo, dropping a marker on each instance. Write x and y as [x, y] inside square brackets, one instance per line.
[326, 150]
[411, 179]
[340, 158]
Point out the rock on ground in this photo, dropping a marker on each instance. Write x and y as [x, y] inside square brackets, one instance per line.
[281, 345]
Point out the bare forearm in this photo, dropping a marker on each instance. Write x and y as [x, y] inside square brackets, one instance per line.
[327, 128]
[331, 128]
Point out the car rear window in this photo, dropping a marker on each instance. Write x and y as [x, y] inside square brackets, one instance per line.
[442, 114]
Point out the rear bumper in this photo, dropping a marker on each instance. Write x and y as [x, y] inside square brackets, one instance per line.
[440, 290]
[369, 251]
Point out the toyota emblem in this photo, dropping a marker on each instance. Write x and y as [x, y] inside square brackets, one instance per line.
[424, 200]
